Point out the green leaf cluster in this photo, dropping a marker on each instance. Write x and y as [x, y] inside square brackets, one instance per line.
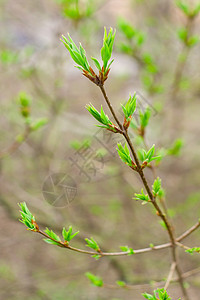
[156, 187]
[101, 117]
[192, 250]
[27, 218]
[77, 54]
[175, 149]
[129, 107]
[147, 156]
[144, 117]
[187, 10]
[184, 36]
[95, 280]
[144, 197]
[52, 235]
[25, 102]
[39, 123]
[121, 283]
[127, 249]
[75, 10]
[124, 154]
[8, 57]
[159, 294]
[92, 244]
[131, 33]
[106, 50]
[67, 235]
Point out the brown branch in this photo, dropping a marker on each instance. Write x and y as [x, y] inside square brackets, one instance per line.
[152, 199]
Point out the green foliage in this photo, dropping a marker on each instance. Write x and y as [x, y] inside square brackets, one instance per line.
[156, 187]
[129, 107]
[76, 9]
[124, 154]
[106, 50]
[189, 40]
[127, 249]
[27, 218]
[67, 235]
[147, 156]
[131, 33]
[92, 244]
[95, 280]
[25, 102]
[101, 117]
[54, 237]
[159, 294]
[39, 123]
[144, 117]
[142, 196]
[187, 9]
[192, 250]
[8, 57]
[175, 149]
[77, 54]
[120, 283]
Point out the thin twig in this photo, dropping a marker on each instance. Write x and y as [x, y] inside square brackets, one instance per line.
[152, 198]
[169, 278]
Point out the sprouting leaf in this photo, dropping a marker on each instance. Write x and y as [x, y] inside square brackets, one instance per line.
[101, 117]
[175, 149]
[51, 242]
[161, 293]
[67, 235]
[124, 154]
[106, 50]
[97, 64]
[95, 280]
[77, 54]
[120, 283]
[92, 244]
[38, 124]
[192, 250]
[156, 186]
[52, 234]
[144, 117]
[26, 217]
[130, 106]
[147, 156]
[142, 196]
[127, 249]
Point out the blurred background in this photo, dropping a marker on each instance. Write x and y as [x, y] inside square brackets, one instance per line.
[67, 170]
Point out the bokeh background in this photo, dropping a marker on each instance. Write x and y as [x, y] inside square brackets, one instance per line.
[98, 201]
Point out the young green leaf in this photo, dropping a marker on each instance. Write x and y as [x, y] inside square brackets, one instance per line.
[144, 117]
[27, 218]
[156, 186]
[102, 118]
[106, 50]
[120, 283]
[127, 249]
[67, 235]
[175, 149]
[161, 293]
[92, 244]
[52, 235]
[142, 196]
[95, 280]
[129, 107]
[124, 154]
[37, 124]
[192, 250]
[77, 54]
